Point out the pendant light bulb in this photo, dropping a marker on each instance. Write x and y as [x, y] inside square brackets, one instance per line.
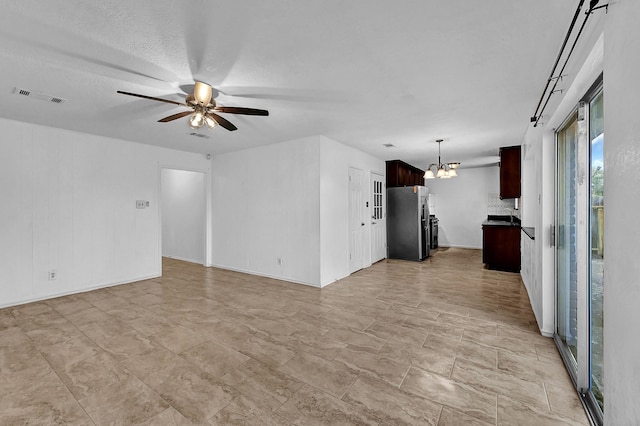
[210, 122]
[197, 119]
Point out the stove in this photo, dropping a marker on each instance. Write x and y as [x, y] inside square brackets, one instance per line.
[433, 232]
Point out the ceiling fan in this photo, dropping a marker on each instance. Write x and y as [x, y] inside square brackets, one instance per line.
[203, 108]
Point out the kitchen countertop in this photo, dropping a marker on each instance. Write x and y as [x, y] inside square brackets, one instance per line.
[501, 220]
[500, 223]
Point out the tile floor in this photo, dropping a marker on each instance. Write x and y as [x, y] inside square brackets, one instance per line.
[441, 342]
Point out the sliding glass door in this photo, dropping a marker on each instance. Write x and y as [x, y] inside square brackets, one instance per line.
[579, 231]
[566, 244]
[596, 220]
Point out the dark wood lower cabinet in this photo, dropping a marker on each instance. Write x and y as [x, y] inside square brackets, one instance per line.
[501, 247]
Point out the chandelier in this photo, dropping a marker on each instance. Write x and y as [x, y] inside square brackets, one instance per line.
[441, 170]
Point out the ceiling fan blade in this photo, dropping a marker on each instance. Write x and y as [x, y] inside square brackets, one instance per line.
[175, 116]
[152, 98]
[244, 111]
[223, 121]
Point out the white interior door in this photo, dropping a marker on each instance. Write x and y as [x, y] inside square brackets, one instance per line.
[356, 221]
[378, 222]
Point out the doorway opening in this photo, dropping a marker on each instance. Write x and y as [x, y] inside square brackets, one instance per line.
[183, 215]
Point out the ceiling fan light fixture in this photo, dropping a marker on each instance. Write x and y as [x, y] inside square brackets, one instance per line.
[197, 119]
[210, 122]
[202, 92]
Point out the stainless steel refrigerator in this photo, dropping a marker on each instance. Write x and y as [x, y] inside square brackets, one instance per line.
[407, 223]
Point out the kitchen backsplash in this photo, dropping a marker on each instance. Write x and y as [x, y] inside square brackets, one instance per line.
[496, 206]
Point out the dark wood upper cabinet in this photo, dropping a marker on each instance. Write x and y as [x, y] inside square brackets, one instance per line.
[400, 173]
[510, 170]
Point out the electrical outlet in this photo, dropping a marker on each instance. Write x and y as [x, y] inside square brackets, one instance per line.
[140, 204]
[53, 274]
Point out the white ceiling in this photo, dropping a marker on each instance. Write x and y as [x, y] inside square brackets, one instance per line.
[364, 73]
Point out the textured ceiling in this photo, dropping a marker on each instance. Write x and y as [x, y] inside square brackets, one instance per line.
[365, 73]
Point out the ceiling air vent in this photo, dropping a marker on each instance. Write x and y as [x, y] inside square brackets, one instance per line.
[38, 95]
[198, 135]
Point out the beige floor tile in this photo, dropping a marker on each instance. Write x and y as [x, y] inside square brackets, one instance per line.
[511, 412]
[195, 394]
[126, 402]
[357, 339]
[466, 398]
[316, 344]
[86, 376]
[244, 411]
[214, 358]
[261, 382]
[391, 370]
[452, 417]
[435, 327]
[69, 351]
[329, 376]
[56, 331]
[259, 346]
[170, 417]
[311, 406]
[209, 346]
[500, 382]
[43, 402]
[467, 350]
[533, 370]
[413, 335]
[566, 403]
[102, 330]
[506, 343]
[419, 356]
[390, 404]
[178, 339]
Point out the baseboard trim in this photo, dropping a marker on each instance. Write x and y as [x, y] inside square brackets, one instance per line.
[78, 291]
[457, 246]
[260, 274]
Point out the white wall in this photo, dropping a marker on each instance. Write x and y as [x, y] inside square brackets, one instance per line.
[610, 45]
[335, 160]
[183, 211]
[532, 217]
[68, 204]
[267, 206]
[622, 204]
[288, 201]
[461, 205]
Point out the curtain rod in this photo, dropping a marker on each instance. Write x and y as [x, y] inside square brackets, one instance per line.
[555, 65]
